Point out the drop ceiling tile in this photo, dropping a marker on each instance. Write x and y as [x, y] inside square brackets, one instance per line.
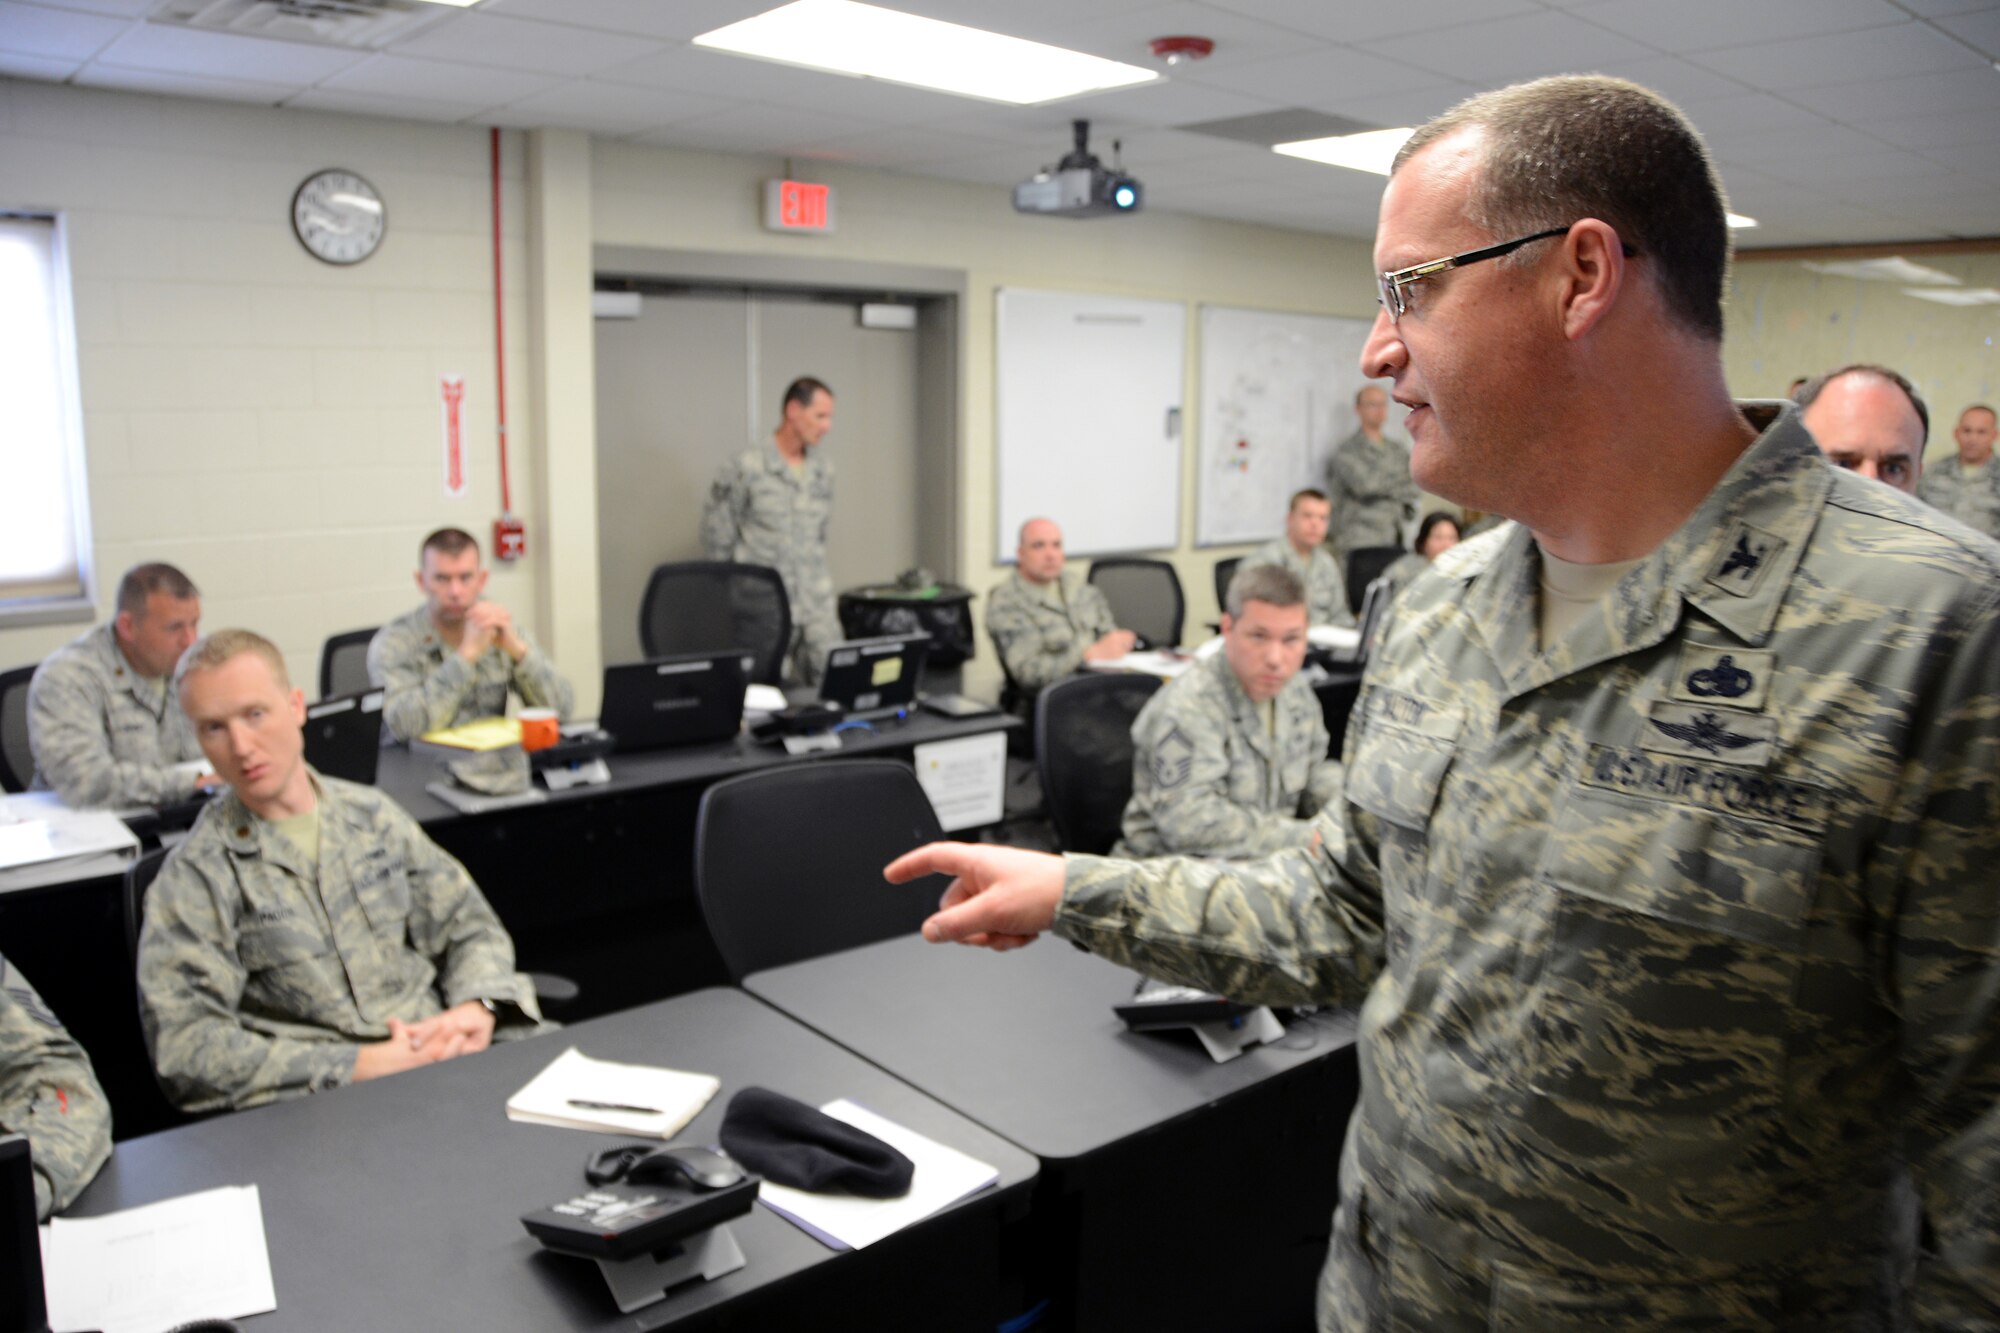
[384, 104]
[172, 50]
[1319, 78]
[123, 8]
[1677, 80]
[1881, 165]
[757, 129]
[1410, 107]
[1356, 23]
[101, 75]
[1841, 57]
[604, 108]
[670, 20]
[438, 81]
[1911, 95]
[1981, 159]
[1981, 29]
[1036, 20]
[1944, 8]
[1707, 25]
[1728, 118]
[1171, 101]
[1764, 149]
[548, 48]
[1128, 36]
[1510, 48]
[1940, 131]
[55, 34]
[898, 148]
[37, 67]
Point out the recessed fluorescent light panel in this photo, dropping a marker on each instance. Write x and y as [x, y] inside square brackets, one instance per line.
[1955, 295]
[456, 4]
[845, 37]
[1894, 268]
[1372, 150]
[1737, 222]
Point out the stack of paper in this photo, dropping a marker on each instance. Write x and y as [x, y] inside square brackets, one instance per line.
[150, 1269]
[577, 1092]
[42, 840]
[849, 1222]
[488, 733]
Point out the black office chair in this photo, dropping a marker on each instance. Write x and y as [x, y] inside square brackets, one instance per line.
[343, 663]
[706, 606]
[1145, 597]
[17, 760]
[788, 862]
[1225, 570]
[1364, 565]
[1083, 749]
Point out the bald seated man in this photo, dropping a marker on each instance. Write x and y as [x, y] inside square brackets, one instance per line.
[1868, 419]
[1045, 623]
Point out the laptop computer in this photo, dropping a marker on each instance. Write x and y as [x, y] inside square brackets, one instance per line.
[344, 735]
[679, 700]
[23, 1308]
[875, 676]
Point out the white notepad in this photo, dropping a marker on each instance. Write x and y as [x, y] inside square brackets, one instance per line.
[671, 1097]
[149, 1269]
[848, 1222]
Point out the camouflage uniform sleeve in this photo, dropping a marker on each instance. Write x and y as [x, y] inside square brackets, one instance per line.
[1095, 613]
[191, 982]
[1181, 768]
[415, 699]
[1323, 787]
[453, 925]
[49, 1093]
[1944, 976]
[1026, 654]
[721, 526]
[66, 720]
[1289, 929]
[538, 681]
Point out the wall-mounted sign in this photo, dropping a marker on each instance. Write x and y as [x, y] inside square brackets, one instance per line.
[798, 206]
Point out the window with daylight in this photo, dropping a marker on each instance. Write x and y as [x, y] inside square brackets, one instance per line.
[44, 506]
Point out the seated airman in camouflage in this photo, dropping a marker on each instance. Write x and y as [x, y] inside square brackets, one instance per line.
[1667, 883]
[49, 1093]
[1229, 758]
[454, 659]
[307, 933]
[102, 720]
[1303, 551]
[1046, 624]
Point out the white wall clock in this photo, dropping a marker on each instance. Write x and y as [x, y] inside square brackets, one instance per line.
[338, 216]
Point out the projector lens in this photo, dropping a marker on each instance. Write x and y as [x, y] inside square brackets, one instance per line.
[1125, 196]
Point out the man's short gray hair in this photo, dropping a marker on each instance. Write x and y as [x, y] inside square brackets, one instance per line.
[1272, 584]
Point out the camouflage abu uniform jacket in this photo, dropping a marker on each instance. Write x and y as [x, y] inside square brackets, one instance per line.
[1041, 630]
[103, 735]
[761, 512]
[49, 1092]
[427, 685]
[1208, 778]
[1372, 493]
[1973, 498]
[1673, 943]
[1326, 586]
[256, 983]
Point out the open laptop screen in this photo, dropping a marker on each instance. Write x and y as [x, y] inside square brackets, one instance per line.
[869, 675]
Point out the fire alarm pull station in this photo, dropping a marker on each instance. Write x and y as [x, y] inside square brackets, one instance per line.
[510, 538]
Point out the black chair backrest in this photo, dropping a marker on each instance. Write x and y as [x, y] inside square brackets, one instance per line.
[817, 887]
[17, 760]
[1364, 565]
[1145, 597]
[711, 606]
[343, 663]
[1083, 750]
[1225, 570]
[139, 877]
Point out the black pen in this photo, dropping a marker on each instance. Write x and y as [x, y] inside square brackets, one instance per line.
[582, 1104]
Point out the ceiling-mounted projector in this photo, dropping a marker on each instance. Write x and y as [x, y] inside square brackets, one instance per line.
[1080, 186]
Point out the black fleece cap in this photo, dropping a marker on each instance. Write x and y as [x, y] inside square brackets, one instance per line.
[784, 1140]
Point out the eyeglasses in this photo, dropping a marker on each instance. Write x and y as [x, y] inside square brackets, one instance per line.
[1392, 285]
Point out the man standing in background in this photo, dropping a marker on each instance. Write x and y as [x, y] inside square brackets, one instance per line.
[1369, 483]
[1968, 486]
[772, 507]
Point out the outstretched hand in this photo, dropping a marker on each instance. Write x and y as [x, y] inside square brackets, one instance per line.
[999, 897]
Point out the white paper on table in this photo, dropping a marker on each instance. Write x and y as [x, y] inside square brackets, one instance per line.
[675, 1096]
[764, 699]
[1337, 637]
[966, 779]
[198, 768]
[846, 1222]
[1164, 665]
[149, 1269]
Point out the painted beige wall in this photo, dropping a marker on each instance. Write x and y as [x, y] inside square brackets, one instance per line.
[1783, 320]
[268, 422]
[696, 201]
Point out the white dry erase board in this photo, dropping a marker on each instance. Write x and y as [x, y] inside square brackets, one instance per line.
[1089, 431]
[1277, 394]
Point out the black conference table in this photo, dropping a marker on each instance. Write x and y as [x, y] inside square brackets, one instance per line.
[595, 884]
[1176, 1193]
[395, 1204]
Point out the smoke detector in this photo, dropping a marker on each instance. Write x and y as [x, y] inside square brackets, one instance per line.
[1174, 51]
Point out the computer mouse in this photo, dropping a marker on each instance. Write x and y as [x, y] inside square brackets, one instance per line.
[703, 1168]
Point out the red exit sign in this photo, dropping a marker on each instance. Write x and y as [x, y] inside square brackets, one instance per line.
[798, 206]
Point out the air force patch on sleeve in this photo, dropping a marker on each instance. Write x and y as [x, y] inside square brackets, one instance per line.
[1173, 759]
